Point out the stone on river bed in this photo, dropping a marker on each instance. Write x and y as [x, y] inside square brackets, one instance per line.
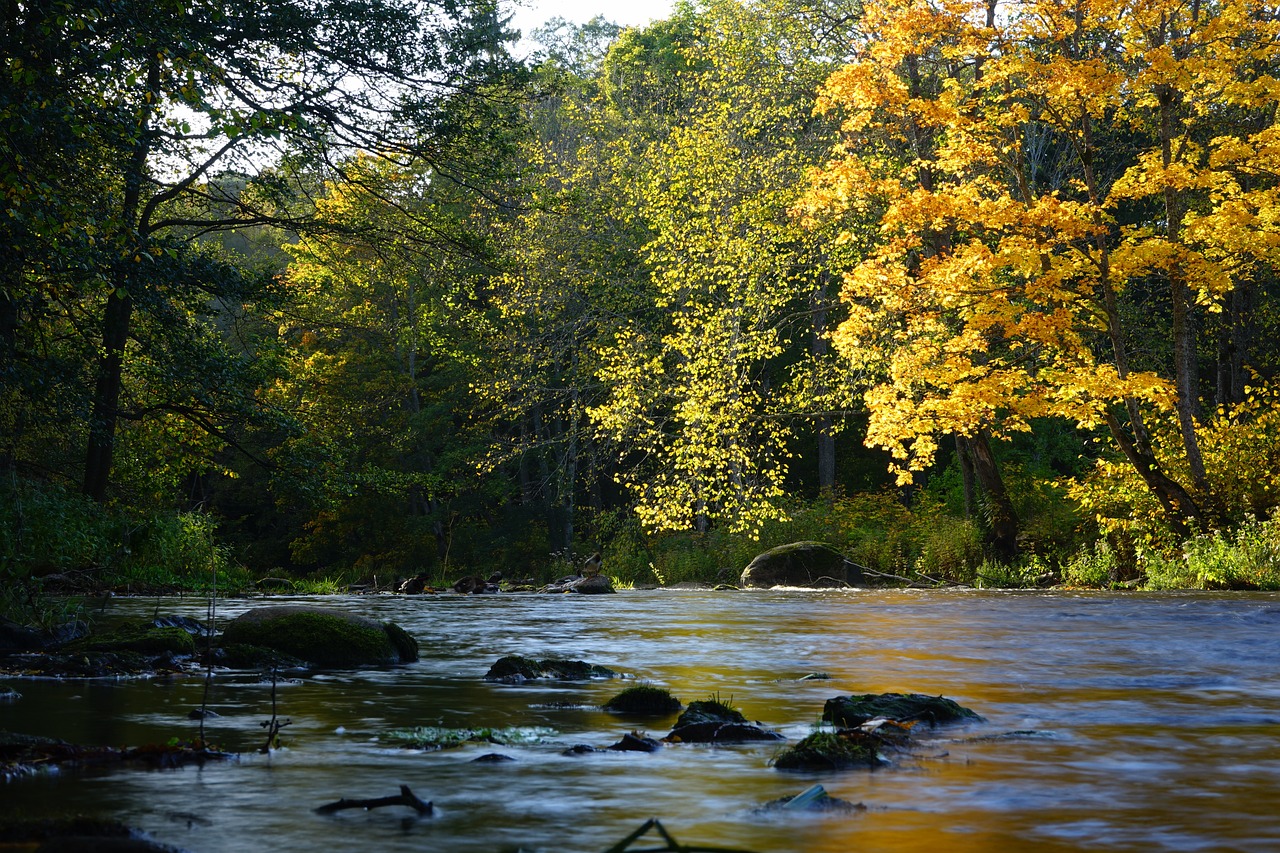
[514, 669]
[593, 585]
[644, 700]
[322, 636]
[801, 564]
[850, 711]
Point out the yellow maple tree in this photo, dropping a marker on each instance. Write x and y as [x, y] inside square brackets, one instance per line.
[1043, 173]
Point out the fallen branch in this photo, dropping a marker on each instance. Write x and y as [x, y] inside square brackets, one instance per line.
[672, 846]
[404, 798]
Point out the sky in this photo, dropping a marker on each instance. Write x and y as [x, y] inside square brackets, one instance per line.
[530, 14]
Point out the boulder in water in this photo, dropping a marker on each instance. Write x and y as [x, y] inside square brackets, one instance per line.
[594, 585]
[323, 637]
[850, 711]
[514, 669]
[801, 564]
[644, 700]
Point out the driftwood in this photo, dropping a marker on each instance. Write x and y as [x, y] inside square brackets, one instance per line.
[670, 844]
[404, 798]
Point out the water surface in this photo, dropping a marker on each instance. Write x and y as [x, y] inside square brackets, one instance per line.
[1157, 721]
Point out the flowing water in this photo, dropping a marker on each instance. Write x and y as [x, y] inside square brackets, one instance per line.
[1157, 721]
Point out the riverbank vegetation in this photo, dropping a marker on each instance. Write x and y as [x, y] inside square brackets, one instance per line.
[977, 293]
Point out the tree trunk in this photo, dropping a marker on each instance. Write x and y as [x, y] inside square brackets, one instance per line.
[1184, 341]
[1233, 343]
[1177, 503]
[1003, 520]
[105, 414]
[818, 348]
[967, 476]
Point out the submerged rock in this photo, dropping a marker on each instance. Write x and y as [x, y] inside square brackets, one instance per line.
[514, 669]
[635, 742]
[813, 799]
[323, 637]
[801, 564]
[850, 711]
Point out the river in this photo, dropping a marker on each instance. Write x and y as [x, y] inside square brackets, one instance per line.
[1156, 721]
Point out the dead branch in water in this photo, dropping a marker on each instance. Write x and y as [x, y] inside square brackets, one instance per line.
[404, 798]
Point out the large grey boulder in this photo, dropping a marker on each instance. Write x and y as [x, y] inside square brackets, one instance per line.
[322, 637]
[801, 564]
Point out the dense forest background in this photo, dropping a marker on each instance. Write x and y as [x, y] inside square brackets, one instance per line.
[336, 291]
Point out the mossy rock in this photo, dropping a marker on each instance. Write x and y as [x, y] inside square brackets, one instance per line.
[800, 564]
[249, 656]
[514, 669]
[141, 638]
[853, 711]
[322, 637]
[709, 711]
[644, 700]
[832, 751]
[716, 732]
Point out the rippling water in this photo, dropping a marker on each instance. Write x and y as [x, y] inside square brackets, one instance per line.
[1158, 720]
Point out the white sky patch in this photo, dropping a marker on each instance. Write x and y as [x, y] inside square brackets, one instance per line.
[531, 14]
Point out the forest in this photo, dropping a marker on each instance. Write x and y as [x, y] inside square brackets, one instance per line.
[341, 291]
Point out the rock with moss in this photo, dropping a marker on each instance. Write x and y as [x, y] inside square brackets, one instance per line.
[249, 656]
[851, 711]
[322, 637]
[716, 732]
[713, 721]
[709, 711]
[644, 700]
[140, 637]
[514, 669]
[801, 564]
[83, 664]
[828, 750]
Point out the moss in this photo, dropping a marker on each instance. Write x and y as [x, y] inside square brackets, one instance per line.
[317, 636]
[709, 711]
[903, 707]
[248, 656]
[402, 641]
[645, 700]
[139, 637]
[831, 751]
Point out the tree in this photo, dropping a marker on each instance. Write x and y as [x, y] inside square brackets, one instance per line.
[1088, 168]
[707, 388]
[168, 97]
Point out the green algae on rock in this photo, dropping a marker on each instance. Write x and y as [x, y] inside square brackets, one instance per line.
[322, 636]
[644, 700]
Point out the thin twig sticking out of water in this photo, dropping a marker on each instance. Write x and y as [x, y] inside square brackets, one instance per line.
[274, 725]
[211, 611]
